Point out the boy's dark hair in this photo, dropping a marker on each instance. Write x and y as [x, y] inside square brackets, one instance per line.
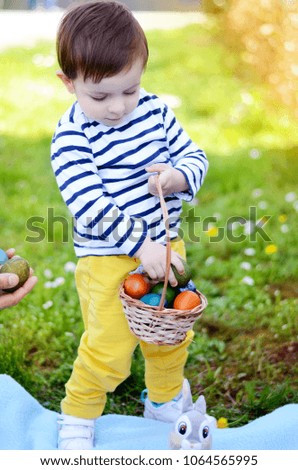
[99, 39]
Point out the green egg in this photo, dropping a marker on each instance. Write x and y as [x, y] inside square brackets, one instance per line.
[19, 266]
[170, 292]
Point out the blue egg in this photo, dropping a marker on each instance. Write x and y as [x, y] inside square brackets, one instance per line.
[151, 299]
[3, 257]
[189, 286]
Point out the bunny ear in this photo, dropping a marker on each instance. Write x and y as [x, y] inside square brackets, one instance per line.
[200, 405]
[187, 403]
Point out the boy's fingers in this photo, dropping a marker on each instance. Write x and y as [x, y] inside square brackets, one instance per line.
[157, 167]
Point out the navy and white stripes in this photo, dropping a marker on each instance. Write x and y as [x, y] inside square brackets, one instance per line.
[101, 174]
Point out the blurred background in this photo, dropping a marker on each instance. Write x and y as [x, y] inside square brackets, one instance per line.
[229, 70]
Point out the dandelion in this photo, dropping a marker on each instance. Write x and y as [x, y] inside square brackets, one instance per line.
[212, 232]
[249, 251]
[222, 423]
[271, 249]
[282, 218]
[245, 265]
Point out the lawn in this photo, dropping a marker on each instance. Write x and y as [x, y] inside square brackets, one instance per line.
[240, 231]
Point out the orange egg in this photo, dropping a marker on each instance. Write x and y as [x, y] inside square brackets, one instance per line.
[136, 286]
[186, 300]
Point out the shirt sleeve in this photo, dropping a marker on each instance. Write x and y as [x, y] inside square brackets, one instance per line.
[82, 190]
[185, 155]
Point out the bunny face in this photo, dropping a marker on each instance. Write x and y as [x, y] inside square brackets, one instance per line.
[191, 431]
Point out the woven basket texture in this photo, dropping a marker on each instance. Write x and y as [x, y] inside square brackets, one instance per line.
[159, 325]
[163, 327]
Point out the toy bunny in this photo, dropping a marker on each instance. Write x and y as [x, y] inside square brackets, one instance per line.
[192, 430]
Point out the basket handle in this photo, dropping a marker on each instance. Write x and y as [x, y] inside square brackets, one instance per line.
[165, 216]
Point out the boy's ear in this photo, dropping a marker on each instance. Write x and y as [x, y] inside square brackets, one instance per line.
[67, 81]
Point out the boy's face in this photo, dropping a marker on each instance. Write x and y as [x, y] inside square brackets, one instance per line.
[110, 100]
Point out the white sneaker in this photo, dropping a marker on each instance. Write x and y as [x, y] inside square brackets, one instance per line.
[75, 433]
[167, 412]
[170, 411]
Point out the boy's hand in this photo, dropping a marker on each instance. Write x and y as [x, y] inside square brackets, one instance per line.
[153, 258]
[171, 180]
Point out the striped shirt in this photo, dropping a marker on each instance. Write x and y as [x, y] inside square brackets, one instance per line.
[101, 175]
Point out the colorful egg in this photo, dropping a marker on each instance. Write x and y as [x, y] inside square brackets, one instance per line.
[151, 299]
[170, 292]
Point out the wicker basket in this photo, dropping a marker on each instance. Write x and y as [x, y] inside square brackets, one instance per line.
[159, 325]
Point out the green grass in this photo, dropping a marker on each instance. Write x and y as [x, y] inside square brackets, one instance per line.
[244, 354]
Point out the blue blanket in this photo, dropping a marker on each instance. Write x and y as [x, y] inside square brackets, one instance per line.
[25, 424]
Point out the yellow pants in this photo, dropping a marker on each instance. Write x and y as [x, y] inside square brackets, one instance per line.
[107, 345]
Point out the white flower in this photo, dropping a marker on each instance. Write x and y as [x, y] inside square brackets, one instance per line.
[257, 192]
[263, 205]
[295, 205]
[48, 285]
[69, 267]
[249, 251]
[245, 265]
[255, 154]
[284, 228]
[290, 197]
[53, 284]
[248, 281]
[210, 260]
[69, 334]
[249, 227]
[58, 282]
[48, 273]
[47, 304]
